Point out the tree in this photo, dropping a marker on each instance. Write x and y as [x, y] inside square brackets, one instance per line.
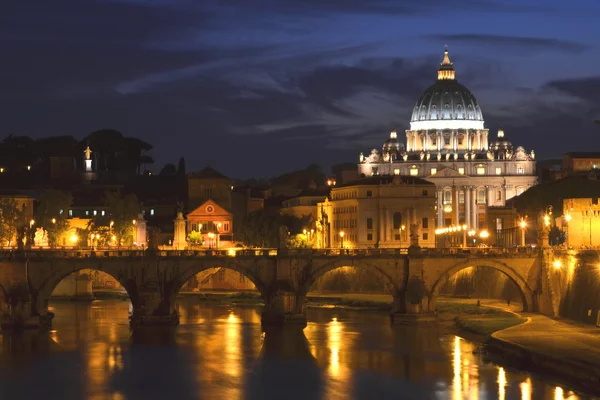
[181, 167]
[195, 238]
[121, 210]
[51, 214]
[11, 218]
[168, 170]
[259, 229]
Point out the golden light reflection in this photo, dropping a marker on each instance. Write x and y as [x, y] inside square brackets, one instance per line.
[232, 347]
[526, 389]
[456, 363]
[559, 394]
[501, 384]
[334, 338]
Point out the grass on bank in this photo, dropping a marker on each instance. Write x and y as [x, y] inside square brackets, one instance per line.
[480, 320]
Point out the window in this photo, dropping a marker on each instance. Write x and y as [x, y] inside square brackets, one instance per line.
[499, 195]
[102, 213]
[61, 212]
[414, 171]
[480, 196]
[425, 224]
[374, 170]
[207, 192]
[425, 236]
[70, 213]
[480, 170]
[95, 212]
[396, 171]
[152, 211]
[397, 220]
[369, 223]
[433, 171]
[369, 193]
[520, 170]
[446, 140]
[461, 197]
[447, 197]
[369, 236]
[498, 171]
[461, 171]
[425, 193]
[397, 236]
[87, 212]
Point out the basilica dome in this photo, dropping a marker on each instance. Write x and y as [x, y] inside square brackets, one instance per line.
[446, 104]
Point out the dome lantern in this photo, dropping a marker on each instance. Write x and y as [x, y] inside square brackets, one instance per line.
[446, 71]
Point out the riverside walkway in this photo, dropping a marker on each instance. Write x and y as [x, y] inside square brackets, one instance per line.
[566, 349]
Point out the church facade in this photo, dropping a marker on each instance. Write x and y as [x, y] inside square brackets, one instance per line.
[448, 145]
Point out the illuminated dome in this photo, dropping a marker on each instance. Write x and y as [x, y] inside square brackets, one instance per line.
[446, 104]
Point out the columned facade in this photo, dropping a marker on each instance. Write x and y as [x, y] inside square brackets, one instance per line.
[448, 145]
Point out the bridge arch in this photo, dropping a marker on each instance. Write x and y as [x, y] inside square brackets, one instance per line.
[41, 296]
[321, 270]
[194, 268]
[519, 281]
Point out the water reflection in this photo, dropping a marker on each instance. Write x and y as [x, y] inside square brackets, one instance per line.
[222, 352]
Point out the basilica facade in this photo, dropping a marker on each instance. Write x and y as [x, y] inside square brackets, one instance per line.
[448, 145]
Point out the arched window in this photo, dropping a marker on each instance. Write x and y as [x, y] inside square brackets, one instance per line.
[397, 220]
[447, 197]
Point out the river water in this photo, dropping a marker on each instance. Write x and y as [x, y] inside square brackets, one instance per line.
[220, 352]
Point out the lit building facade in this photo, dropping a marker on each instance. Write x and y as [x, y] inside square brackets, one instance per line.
[214, 223]
[379, 211]
[581, 222]
[448, 145]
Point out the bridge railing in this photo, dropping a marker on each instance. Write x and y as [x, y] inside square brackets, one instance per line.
[480, 252]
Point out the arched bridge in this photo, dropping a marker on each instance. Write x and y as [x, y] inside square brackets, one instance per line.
[283, 277]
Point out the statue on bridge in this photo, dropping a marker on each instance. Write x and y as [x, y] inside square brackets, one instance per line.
[40, 238]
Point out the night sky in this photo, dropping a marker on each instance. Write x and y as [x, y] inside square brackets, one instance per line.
[261, 87]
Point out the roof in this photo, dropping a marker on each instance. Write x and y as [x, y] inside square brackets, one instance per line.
[387, 180]
[583, 154]
[209, 173]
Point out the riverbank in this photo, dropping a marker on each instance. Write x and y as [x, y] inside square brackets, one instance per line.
[565, 350]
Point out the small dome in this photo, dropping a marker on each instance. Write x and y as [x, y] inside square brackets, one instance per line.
[392, 145]
[446, 104]
[501, 143]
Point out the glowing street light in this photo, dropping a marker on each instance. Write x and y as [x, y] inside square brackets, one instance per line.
[31, 223]
[53, 220]
[523, 225]
[342, 239]
[557, 264]
[74, 238]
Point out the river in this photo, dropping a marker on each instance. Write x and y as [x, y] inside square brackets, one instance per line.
[220, 352]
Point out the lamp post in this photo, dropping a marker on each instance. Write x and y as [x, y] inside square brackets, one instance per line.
[523, 225]
[211, 236]
[484, 235]
[218, 234]
[342, 239]
[568, 219]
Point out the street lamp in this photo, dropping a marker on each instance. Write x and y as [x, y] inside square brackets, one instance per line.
[568, 219]
[53, 220]
[211, 236]
[484, 235]
[92, 240]
[523, 225]
[342, 239]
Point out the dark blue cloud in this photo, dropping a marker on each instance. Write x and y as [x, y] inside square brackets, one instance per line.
[253, 86]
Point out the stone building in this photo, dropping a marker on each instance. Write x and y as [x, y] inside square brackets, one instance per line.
[209, 184]
[305, 204]
[448, 145]
[214, 222]
[379, 211]
[581, 222]
[580, 162]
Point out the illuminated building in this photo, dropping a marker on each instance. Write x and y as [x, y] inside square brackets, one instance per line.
[378, 211]
[448, 145]
[581, 222]
[214, 223]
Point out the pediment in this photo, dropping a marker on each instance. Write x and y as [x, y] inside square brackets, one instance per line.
[208, 208]
[448, 173]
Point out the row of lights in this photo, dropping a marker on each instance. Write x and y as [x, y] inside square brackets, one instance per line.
[483, 234]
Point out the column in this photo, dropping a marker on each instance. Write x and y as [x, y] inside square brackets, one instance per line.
[456, 206]
[490, 195]
[474, 221]
[440, 209]
[467, 190]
